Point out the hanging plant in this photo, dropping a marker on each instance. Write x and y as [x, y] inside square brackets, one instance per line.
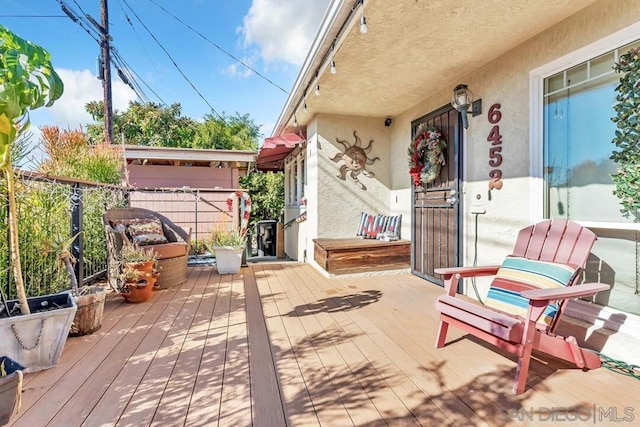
[426, 155]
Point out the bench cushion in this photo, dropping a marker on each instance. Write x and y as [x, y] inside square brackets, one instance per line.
[519, 274]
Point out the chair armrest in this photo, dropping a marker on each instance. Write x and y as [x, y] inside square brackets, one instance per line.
[488, 270]
[451, 275]
[582, 290]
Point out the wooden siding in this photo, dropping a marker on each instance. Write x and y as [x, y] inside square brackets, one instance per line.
[166, 176]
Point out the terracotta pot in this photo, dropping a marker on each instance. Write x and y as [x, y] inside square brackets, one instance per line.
[145, 266]
[140, 290]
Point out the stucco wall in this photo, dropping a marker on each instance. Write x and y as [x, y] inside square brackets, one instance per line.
[506, 81]
[335, 205]
[341, 202]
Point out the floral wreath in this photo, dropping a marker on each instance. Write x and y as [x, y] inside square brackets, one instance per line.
[245, 209]
[426, 155]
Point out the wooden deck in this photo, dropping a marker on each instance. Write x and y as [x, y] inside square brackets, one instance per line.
[282, 345]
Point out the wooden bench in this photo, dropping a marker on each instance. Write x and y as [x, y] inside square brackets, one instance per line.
[354, 255]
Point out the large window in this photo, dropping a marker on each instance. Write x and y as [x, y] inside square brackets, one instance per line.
[577, 136]
[572, 142]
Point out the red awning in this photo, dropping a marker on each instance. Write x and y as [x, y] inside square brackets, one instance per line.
[274, 150]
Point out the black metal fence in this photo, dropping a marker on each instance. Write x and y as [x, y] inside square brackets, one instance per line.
[51, 210]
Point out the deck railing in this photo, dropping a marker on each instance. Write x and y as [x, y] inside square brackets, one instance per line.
[54, 209]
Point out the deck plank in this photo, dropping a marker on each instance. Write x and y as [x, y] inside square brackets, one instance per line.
[325, 399]
[235, 401]
[265, 389]
[282, 344]
[55, 404]
[145, 400]
[297, 402]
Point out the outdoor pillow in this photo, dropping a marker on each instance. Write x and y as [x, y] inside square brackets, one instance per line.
[147, 232]
[519, 274]
[393, 224]
[364, 221]
[149, 239]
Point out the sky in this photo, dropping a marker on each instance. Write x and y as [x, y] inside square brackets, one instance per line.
[271, 36]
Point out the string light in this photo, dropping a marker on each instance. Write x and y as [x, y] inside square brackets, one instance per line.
[363, 20]
[330, 56]
[333, 62]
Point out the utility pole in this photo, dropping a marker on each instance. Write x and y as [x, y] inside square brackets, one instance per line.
[106, 67]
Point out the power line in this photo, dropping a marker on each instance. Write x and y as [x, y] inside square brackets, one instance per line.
[138, 37]
[78, 19]
[133, 76]
[122, 67]
[219, 47]
[173, 61]
[33, 16]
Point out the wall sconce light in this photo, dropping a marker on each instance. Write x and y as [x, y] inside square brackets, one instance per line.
[333, 67]
[463, 99]
[295, 121]
[317, 91]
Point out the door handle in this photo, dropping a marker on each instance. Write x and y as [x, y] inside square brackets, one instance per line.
[452, 200]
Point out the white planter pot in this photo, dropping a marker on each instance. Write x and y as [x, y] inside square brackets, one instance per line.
[36, 340]
[228, 259]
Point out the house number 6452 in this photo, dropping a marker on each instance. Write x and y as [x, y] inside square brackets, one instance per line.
[495, 158]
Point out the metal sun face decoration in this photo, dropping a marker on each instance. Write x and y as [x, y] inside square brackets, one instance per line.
[355, 160]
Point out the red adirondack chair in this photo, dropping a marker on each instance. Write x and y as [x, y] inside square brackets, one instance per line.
[521, 314]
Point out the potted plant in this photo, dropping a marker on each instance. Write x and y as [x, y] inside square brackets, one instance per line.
[32, 331]
[137, 273]
[10, 388]
[228, 247]
[89, 299]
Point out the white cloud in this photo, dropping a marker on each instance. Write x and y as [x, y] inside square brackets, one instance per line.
[80, 87]
[238, 70]
[282, 29]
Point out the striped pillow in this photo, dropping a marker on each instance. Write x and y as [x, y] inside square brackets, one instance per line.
[364, 222]
[393, 224]
[520, 274]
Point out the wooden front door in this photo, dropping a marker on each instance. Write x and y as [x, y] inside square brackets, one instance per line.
[436, 206]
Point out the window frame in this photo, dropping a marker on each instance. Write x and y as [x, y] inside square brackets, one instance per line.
[536, 119]
[295, 173]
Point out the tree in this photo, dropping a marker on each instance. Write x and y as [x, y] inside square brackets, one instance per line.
[145, 124]
[156, 125]
[237, 132]
[267, 195]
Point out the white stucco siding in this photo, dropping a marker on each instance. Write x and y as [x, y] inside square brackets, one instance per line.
[341, 202]
[507, 81]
